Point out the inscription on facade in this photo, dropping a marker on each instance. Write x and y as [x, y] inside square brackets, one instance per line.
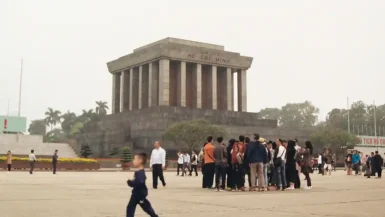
[208, 58]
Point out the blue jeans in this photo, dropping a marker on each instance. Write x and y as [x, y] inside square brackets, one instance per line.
[265, 174]
[281, 175]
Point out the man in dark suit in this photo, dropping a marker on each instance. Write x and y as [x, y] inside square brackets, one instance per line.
[54, 161]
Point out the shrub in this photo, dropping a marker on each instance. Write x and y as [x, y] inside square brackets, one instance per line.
[49, 160]
[126, 155]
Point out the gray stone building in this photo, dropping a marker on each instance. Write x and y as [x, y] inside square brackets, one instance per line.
[172, 80]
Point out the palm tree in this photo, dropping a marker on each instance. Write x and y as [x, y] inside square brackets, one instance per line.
[87, 115]
[52, 117]
[101, 108]
[69, 120]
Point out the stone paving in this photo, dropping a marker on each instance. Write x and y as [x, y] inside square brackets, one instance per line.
[105, 194]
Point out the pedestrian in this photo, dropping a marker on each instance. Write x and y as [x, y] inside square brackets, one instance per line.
[180, 163]
[280, 165]
[209, 170]
[257, 156]
[186, 163]
[356, 159]
[246, 165]
[348, 161]
[320, 171]
[237, 160]
[157, 164]
[378, 163]
[194, 163]
[230, 179]
[9, 161]
[32, 160]
[291, 165]
[54, 161]
[220, 157]
[307, 163]
[328, 162]
[139, 188]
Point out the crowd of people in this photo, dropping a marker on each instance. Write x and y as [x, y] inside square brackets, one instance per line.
[369, 164]
[268, 165]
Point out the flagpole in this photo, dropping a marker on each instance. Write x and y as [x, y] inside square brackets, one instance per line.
[375, 122]
[347, 102]
[20, 87]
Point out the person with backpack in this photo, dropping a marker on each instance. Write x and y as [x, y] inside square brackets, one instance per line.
[194, 163]
[237, 158]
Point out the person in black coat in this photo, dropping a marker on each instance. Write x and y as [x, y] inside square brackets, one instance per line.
[229, 172]
[292, 173]
[378, 162]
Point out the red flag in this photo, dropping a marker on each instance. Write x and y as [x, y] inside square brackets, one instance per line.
[5, 123]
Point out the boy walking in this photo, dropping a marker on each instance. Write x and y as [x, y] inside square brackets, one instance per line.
[139, 191]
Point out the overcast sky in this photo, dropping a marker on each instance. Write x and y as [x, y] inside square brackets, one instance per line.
[322, 51]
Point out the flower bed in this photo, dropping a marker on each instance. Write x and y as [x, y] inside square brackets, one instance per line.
[46, 163]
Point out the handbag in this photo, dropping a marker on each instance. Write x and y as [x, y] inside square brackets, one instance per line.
[278, 160]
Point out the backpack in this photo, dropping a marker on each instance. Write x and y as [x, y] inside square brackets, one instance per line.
[193, 158]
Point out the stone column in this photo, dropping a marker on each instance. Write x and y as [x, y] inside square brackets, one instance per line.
[214, 98]
[164, 82]
[229, 89]
[121, 108]
[150, 83]
[198, 86]
[242, 94]
[131, 81]
[140, 87]
[181, 85]
[113, 94]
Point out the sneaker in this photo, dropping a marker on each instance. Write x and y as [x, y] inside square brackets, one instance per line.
[290, 188]
[307, 188]
[217, 189]
[220, 189]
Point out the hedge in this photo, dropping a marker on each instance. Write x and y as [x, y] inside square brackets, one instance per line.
[49, 160]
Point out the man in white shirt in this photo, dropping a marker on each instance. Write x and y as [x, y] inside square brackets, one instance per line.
[157, 164]
[32, 160]
[180, 163]
[194, 163]
[320, 164]
[186, 163]
[281, 169]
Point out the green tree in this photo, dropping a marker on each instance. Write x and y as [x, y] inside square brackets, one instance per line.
[298, 115]
[101, 108]
[87, 115]
[336, 139]
[85, 151]
[37, 127]
[270, 113]
[52, 117]
[126, 155]
[192, 133]
[54, 135]
[69, 119]
[76, 128]
[338, 118]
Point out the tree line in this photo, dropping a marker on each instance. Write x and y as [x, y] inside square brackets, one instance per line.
[304, 115]
[71, 124]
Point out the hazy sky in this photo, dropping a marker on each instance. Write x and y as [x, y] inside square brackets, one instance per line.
[322, 51]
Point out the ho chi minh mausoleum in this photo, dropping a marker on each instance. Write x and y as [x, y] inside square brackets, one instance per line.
[172, 80]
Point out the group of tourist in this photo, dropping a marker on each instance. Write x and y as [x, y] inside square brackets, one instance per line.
[32, 159]
[370, 164]
[187, 163]
[268, 165]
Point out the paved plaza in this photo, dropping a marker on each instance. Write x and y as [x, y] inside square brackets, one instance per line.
[105, 194]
